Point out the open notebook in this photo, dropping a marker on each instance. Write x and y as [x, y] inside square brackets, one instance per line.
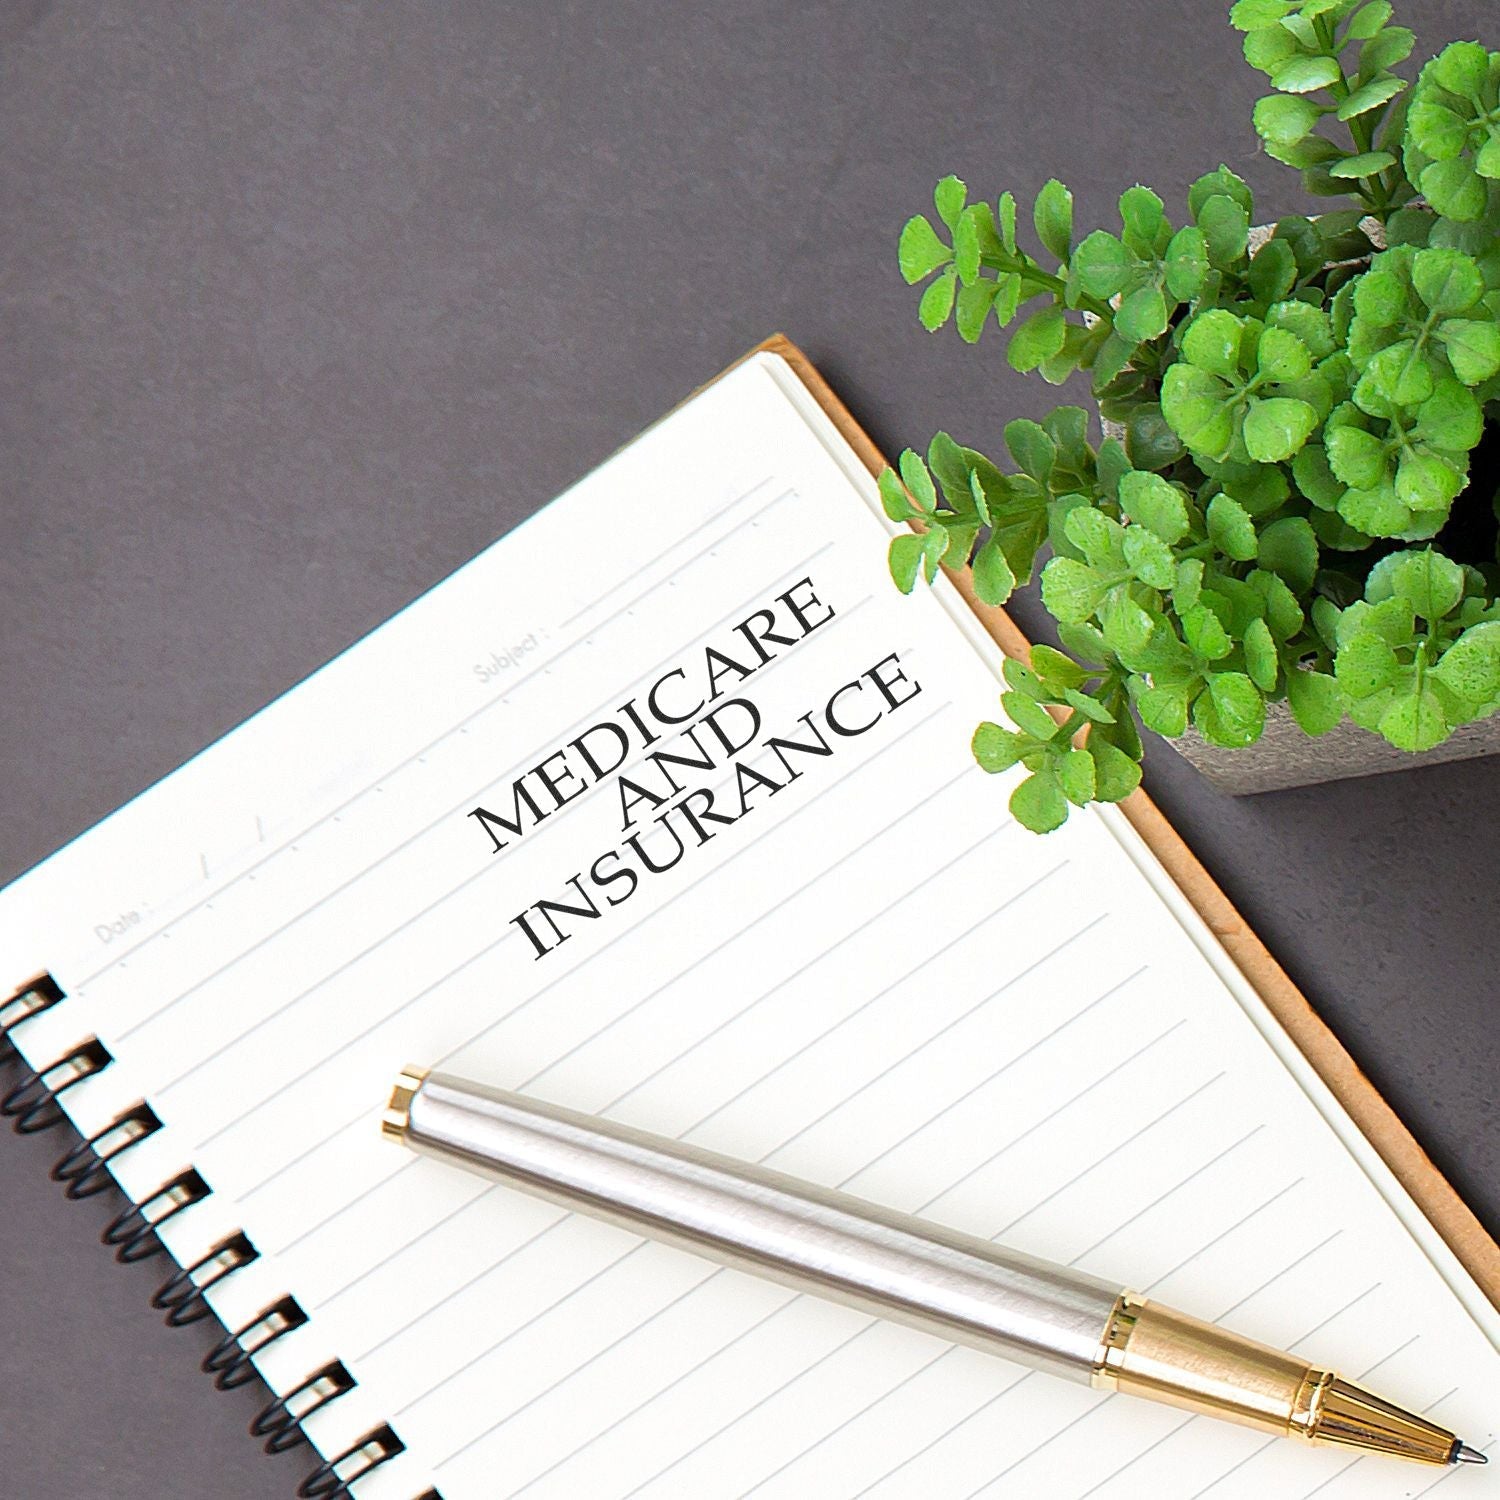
[858, 969]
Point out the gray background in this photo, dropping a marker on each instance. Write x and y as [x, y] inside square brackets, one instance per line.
[303, 305]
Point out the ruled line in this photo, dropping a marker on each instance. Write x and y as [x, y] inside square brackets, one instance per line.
[646, 567]
[895, 984]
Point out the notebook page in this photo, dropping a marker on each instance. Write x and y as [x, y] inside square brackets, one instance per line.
[866, 976]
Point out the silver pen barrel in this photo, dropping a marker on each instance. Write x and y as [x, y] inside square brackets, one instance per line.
[813, 1239]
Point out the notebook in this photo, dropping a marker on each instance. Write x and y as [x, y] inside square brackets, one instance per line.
[663, 807]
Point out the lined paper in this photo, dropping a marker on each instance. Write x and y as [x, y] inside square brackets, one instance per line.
[873, 979]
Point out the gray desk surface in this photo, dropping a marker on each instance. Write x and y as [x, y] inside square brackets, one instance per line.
[305, 304]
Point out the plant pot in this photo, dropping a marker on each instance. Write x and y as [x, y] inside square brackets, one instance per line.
[1284, 756]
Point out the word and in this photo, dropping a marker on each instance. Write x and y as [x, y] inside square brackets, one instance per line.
[681, 818]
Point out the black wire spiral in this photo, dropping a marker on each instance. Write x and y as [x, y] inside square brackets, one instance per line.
[134, 1234]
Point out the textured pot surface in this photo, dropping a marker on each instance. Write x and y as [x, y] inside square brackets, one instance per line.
[1284, 756]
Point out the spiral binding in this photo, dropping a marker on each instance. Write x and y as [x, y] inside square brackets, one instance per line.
[134, 1234]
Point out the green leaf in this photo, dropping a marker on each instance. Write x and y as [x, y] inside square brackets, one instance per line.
[1427, 482]
[1038, 803]
[1212, 343]
[1075, 774]
[1365, 665]
[1006, 211]
[937, 301]
[994, 581]
[1454, 189]
[1371, 96]
[1238, 706]
[1151, 502]
[1281, 355]
[905, 561]
[1289, 549]
[1315, 699]
[1085, 642]
[1461, 68]
[1150, 442]
[1415, 721]
[1095, 536]
[1368, 20]
[1282, 612]
[1366, 164]
[1226, 229]
[1431, 583]
[1186, 264]
[1142, 219]
[1380, 298]
[949, 198]
[1026, 682]
[1091, 708]
[1037, 339]
[1470, 667]
[1189, 584]
[1273, 271]
[1205, 636]
[1276, 428]
[935, 543]
[1357, 457]
[918, 481]
[1116, 774]
[920, 251]
[1448, 281]
[1142, 314]
[1057, 670]
[974, 304]
[1071, 590]
[1251, 15]
[1031, 448]
[1451, 417]
[1029, 716]
[1285, 118]
[1053, 217]
[1261, 660]
[1391, 45]
[1473, 348]
[1126, 625]
[1164, 709]
[893, 497]
[1302, 75]
[997, 749]
[1231, 529]
[1149, 558]
[1197, 406]
[1101, 264]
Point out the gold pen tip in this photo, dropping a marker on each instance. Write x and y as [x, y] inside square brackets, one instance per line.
[1464, 1454]
[397, 1116]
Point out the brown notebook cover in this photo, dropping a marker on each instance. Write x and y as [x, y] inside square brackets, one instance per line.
[1433, 1194]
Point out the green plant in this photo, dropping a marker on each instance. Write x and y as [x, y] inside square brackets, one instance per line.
[1287, 506]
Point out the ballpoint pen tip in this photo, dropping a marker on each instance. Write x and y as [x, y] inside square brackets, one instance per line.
[1464, 1454]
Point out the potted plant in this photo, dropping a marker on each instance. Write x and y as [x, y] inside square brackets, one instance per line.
[1292, 517]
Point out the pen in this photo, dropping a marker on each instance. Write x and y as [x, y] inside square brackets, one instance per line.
[892, 1265]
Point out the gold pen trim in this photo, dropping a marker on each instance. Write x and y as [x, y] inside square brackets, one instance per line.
[1154, 1351]
[397, 1116]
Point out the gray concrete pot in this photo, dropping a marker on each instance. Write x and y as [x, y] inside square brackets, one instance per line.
[1284, 756]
